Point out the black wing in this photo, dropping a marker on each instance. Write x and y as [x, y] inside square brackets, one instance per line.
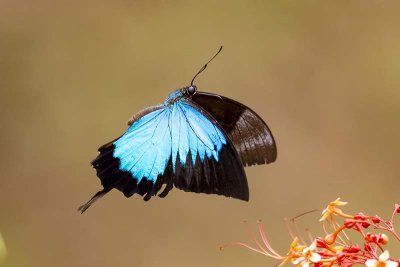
[248, 132]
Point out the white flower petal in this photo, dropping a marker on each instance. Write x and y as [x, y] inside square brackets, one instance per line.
[371, 263]
[391, 264]
[384, 256]
[298, 260]
[313, 245]
[315, 257]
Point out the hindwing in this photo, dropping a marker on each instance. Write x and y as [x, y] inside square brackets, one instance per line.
[249, 134]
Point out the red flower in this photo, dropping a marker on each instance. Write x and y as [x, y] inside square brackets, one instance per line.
[336, 248]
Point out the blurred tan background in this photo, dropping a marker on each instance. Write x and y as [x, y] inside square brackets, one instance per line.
[323, 74]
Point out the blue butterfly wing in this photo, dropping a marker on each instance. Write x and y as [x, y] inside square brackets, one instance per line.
[145, 148]
[127, 163]
[178, 145]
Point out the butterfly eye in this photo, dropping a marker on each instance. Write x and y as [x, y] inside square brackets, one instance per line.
[191, 89]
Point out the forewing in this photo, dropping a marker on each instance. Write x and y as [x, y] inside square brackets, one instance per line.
[137, 161]
[250, 135]
[145, 148]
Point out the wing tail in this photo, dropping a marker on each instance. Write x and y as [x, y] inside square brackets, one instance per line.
[96, 197]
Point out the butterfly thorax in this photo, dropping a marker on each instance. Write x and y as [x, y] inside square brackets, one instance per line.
[180, 93]
[174, 96]
[171, 99]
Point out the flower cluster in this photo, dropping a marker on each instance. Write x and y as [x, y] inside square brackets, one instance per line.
[336, 248]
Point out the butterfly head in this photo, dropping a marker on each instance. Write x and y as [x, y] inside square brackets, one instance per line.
[190, 90]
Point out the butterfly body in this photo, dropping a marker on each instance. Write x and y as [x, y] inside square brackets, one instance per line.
[195, 141]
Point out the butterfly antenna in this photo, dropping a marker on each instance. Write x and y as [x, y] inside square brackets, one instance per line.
[205, 66]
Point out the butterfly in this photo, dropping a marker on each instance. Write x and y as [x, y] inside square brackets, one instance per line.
[194, 141]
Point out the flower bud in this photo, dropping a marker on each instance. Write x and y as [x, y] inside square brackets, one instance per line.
[348, 223]
[397, 208]
[383, 239]
[360, 216]
[376, 219]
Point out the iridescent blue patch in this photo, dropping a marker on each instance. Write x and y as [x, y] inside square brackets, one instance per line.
[171, 132]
